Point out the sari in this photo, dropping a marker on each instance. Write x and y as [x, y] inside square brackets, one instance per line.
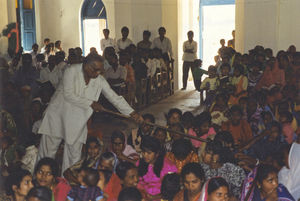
[182, 196]
[250, 191]
[290, 177]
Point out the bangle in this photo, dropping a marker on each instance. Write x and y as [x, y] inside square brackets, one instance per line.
[257, 162]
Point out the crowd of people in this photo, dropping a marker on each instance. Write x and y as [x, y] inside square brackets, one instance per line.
[245, 143]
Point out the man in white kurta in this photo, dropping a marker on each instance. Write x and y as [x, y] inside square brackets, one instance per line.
[70, 108]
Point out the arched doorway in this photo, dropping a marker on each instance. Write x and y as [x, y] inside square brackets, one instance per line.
[93, 21]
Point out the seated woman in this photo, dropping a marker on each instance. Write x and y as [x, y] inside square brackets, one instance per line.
[202, 128]
[262, 185]
[46, 174]
[238, 127]
[17, 184]
[241, 84]
[193, 178]
[220, 165]
[119, 147]
[91, 159]
[215, 189]
[182, 153]
[152, 167]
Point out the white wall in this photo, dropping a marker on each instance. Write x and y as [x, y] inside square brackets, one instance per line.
[271, 23]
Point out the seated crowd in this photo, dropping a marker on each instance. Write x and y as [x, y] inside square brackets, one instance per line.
[244, 145]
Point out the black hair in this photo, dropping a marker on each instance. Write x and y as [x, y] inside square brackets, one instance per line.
[236, 108]
[40, 57]
[215, 183]
[162, 29]
[278, 125]
[49, 162]
[106, 30]
[224, 136]
[194, 168]
[15, 179]
[92, 58]
[170, 186]
[35, 45]
[201, 119]
[263, 114]
[187, 117]
[159, 129]
[255, 63]
[107, 175]
[42, 193]
[124, 29]
[58, 42]
[117, 135]
[173, 111]
[263, 170]
[181, 148]
[177, 125]
[240, 68]
[46, 40]
[150, 143]
[90, 140]
[147, 33]
[130, 194]
[149, 116]
[122, 169]
[190, 32]
[91, 176]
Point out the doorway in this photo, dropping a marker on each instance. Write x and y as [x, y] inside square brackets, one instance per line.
[93, 21]
[217, 20]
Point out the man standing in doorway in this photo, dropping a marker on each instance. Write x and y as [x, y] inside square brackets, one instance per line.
[72, 105]
[189, 56]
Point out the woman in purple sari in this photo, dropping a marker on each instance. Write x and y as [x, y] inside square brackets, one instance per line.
[262, 185]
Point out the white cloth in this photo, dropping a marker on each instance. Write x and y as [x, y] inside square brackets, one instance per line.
[62, 66]
[290, 178]
[121, 45]
[36, 126]
[151, 67]
[53, 76]
[189, 46]
[165, 45]
[104, 43]
[43, 50]
[120, 73]
[70, 107]
[33, 55]
[48, 148]
[29, 158]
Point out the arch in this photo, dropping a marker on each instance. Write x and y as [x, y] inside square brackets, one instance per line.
[91, 9]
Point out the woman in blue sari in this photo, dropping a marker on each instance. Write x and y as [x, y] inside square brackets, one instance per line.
[262, 185]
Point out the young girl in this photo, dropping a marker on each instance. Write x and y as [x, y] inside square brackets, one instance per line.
[193, 178]
[219, 110]
[88, 189]
[215, 189]
[210, 84]
[202, 128]
[128, 174]
[286, 119]
[152, 167]
[241, 84]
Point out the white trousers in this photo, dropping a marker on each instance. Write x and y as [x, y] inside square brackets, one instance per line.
[48, 148]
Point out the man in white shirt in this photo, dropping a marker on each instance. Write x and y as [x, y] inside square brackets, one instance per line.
[124, 42]
[51, 72]
[116, 75]
[163, 43]
[34, 53]
[72, 105]
[189, 56]
[46, 42]
[106, 41]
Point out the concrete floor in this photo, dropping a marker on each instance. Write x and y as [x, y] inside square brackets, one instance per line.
[188, 100]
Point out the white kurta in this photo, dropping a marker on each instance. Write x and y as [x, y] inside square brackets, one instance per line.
[70, 107]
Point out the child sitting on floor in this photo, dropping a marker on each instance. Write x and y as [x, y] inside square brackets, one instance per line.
[209, 85]
[88, 189]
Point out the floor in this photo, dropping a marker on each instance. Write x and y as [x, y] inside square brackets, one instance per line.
[187, 100]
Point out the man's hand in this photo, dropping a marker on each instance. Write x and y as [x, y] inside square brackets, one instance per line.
[137, 117]
[97, 107]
